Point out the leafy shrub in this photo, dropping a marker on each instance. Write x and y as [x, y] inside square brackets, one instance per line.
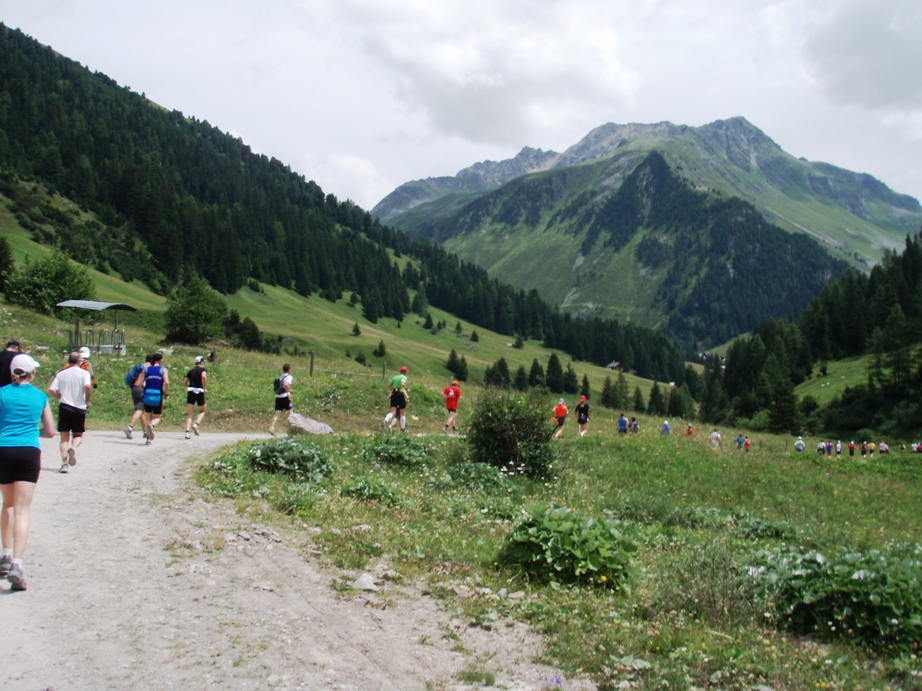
[194, 311]
[872, 597]
[41, 284]
[509, 430]
[556, 544]
[396, 449]
[371, 489]
[305, 462]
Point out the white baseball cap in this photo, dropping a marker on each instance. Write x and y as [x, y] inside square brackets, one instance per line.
[22, 364]
[84, 352]
[199, 358]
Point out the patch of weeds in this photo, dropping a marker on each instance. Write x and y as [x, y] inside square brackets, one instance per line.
[370, 488]
[556, 544]
[478, 477]
[296, 498]
[705, 582]
[350, 550]
[396, 449]
[476, 674]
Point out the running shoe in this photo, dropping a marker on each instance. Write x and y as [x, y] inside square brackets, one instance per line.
[6, 562]
[150, 432]
[147, 443]
[127, 431]
[71, 457]
[17, 582]
[188, 436]
[195, 428]
[64, 467]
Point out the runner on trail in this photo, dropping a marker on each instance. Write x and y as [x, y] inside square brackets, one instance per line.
[6, 357]
[715, 438]
[22, 408]
[747, 443]
[196, 383]
[137, 393]
[583, 412]
[282, 387]
[451, 394]
[85, 364]
[838, 449]
[156, 391]
[72, 387]
[851, 448]
[560, 412]
[799, 445]
[690, 431]
[399, 394]
[635, 426]
[665, 430]
[622, 424]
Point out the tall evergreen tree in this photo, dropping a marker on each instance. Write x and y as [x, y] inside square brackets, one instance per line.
[554, 377]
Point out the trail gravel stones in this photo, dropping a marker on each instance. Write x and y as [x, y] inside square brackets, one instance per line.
[135, 581]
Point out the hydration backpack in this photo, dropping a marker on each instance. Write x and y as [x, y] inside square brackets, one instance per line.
[279, 385]
[133, 374]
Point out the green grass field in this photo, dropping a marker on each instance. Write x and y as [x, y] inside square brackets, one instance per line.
[688, 615]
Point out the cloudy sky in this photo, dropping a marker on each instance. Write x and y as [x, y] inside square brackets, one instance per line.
[363, 95]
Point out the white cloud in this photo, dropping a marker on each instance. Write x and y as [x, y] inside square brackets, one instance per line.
[868, 54]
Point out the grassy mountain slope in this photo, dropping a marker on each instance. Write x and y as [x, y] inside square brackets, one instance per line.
[697, 265]
[540, 230]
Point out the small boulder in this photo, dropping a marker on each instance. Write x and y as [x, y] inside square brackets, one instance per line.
[305, 425]
[365, 582]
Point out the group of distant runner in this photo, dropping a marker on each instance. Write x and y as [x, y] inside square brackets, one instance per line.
[828, 448]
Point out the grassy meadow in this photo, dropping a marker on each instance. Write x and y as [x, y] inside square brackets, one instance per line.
[690, 614]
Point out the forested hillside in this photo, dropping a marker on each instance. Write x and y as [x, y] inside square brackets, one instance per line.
[171, 194]
[877, 315]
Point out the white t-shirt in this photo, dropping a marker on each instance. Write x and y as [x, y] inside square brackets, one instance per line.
[286, 379]
[71, 383]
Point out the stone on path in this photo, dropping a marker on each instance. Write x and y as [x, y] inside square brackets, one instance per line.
[305, 425]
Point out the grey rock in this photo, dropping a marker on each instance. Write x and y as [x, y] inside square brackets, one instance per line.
[365, 582]
[305, 425]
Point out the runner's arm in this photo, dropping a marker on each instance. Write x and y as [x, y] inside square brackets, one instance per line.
[47, 422]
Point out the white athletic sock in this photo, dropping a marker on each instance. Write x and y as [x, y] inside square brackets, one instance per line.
[388, 418]
[403, 423]
[7, 552]
[17, 561]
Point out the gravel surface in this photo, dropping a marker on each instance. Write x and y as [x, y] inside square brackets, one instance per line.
[135, 582]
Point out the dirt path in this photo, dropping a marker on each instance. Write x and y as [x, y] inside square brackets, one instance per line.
[135, 584]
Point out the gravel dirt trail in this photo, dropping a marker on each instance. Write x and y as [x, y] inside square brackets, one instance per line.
[134, 583]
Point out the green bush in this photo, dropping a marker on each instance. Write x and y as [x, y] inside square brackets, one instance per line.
[195, 312]
[303, 461]
[872, 597]
[556, 544]
[397, 449]
[509, 430]
[371, 489]
[41, 284]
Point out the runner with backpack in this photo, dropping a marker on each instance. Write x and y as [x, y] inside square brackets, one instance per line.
[156, 391]
[134, 380]
[282, 388]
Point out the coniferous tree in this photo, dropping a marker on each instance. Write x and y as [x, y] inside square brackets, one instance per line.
[782, 416]
[474, 337]
[584, 389]
[657, 404]
[521, 379]
[536, 374]
[622, 391]
[609, 395]
[356, 330]
[554, 377]
[570, 379]
[637, 403]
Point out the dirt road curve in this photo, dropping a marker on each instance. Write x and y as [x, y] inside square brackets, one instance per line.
[135, 584]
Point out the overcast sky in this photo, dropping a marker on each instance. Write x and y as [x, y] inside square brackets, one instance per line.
[363, 95]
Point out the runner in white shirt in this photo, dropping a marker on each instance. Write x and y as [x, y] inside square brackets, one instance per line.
[72, 387]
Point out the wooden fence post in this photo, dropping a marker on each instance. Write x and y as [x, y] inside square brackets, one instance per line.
[312, 363]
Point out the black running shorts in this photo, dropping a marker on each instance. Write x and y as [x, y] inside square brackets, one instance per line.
[193, 398]
[19, 464]
[283, 402]
[71, 419]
